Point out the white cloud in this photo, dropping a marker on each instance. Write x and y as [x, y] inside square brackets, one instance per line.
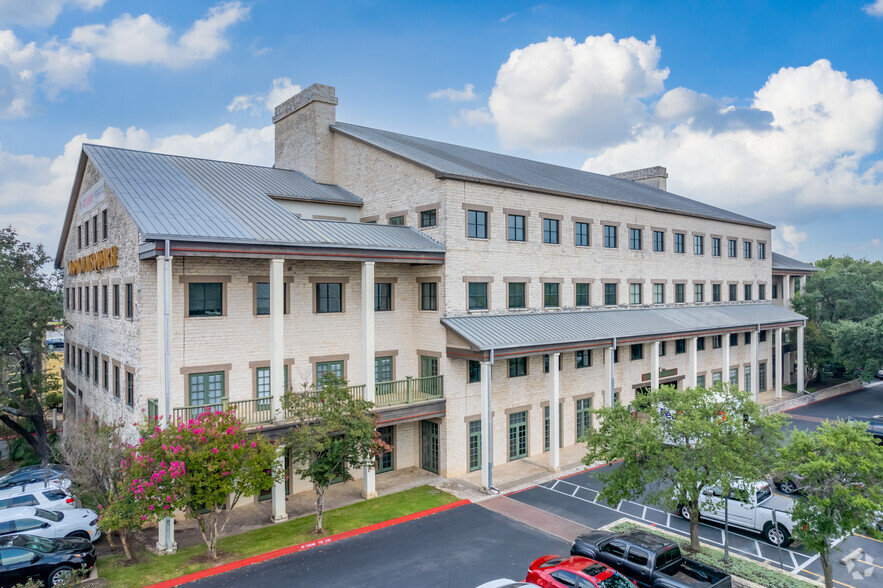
[473, 117]
[874, 9]
[142, 39]
[562, 94]
[280, 90]
[787, 240]
[454, 95]
[39, 13]
[508, 16]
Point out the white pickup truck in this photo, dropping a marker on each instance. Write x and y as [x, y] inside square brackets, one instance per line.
[750, 508]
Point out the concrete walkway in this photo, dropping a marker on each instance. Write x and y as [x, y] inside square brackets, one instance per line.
[535, 517]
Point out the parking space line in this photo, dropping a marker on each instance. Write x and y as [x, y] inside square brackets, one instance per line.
[554, 485]
[869, 563]
[835, 581]
[644, 514]
[807, 563]
[575, 490]
[793, 559]
[866, 537]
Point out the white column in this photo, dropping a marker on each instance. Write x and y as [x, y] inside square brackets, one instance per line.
[278, 492]
[654, 366]
[611, 375]
[165, 540]
[554, 425]
[692, 369]
[800, 382]
[725, 358]
[369, 489]
[786, 290]
[755, 380]
[779, 374]
[277, 308]
[486, 425]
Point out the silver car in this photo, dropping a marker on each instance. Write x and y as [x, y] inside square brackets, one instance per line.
[46, 495]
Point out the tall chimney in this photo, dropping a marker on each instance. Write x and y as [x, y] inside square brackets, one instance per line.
[304, 141]
[652, 176]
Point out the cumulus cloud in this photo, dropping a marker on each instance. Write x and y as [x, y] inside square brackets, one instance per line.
[454, 95]
[142, 39]
[787, 240]
[280, 90]
[40, 14]
[473, 117]
[874, 8]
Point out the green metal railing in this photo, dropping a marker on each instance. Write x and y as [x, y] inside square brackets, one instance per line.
[408, 391]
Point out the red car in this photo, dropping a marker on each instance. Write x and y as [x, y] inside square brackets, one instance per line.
[554, 571]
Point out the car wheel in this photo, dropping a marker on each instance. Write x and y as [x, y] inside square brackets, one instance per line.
[777, 535]
[59, 574]
[788, 487]
[78, 535]
[684, 511]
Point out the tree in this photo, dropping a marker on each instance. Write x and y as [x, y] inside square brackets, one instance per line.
[681, 442]
[335, 432]
[202, 466]
[30, 299]
[840, 467]
[859, 345]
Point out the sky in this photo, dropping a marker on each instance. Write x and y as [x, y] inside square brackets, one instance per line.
[770, 109]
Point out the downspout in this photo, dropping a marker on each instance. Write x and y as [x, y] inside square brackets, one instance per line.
[167, 301]
[490, 437]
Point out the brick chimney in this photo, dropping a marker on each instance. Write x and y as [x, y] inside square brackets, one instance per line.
[303, 140]
[652, 176]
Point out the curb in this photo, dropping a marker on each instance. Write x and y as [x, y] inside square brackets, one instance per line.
[303, 546]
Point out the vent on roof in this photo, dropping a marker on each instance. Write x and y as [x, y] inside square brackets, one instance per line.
[652, 176]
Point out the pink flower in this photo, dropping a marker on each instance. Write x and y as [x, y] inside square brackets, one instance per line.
[230, 431]
[236, 446]
[253, 444]
[214, 450]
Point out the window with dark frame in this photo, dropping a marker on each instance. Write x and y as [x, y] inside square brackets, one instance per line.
[104, 224]
[679, 243]
[610, 294]
[204, 299]
[429, 296]
[515, 227]
[116, 300]
[581, 234]
[428, 218]
[95, 229]
[583, 416]
[698, 292]
[80, 298]
[476, 224]
[734, 339]
[383, 369]
[106, 375]
[551, 228]
[95, 374]
[581, 295]
[658, 240]
[658, 293]
[546, 363]
[761, 291]
[130, 301]
[95, 299]
[733, 293]
[584, 358]
[762, 336]
[716, 341]
[636, 351]
[748, 291]
[680, 346]
[761, 251]
[635, 239]
[550, 295]
[262, 298]
[116, 381]
[715, 247]
[87, 306]
[731, 247]
[700, 343]
[86, 233]
[547, 427]
[715, 292]
[517, 367]
[382, 296]
[397, 221]
[747, 249]
[661, 348]
[329, 297]
[104, 308]
[328, 367]
[517, 297]
[698, 245]
[635, 294]
[477, 295]
[610, 236]
[473, 371]
[747, 337]
[775, 291]
[79, 236]
[680, 293]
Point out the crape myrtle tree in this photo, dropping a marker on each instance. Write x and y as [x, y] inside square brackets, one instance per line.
[202, 466]
[335, 432]
[30, 298]
[681, 442]
[840, 468]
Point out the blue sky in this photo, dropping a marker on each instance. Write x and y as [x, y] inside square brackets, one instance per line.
[775, 112]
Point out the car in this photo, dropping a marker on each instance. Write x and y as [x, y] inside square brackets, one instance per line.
[54, 524]
[504, 583]
[24, 557]
[46, 495]
[55, 343]
[874, 424]
[555, 571]
[34, 473]
[879, 373]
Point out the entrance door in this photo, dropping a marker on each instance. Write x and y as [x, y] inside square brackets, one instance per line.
[474, 445]
[386, 462]
[429, 446]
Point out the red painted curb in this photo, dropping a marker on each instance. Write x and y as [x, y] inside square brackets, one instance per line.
[303, 546]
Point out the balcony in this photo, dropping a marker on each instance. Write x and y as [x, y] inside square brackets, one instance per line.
[387, 395]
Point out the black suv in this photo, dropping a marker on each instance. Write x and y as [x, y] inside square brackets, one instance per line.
[48, 560]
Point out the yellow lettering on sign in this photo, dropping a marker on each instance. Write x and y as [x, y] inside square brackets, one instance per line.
[94, 262]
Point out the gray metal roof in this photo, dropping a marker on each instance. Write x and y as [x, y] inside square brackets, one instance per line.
[185, 198]
[508, 331]
[455, 161]
[783, 263]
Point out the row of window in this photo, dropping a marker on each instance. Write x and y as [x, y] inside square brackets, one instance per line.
[86, 299]
[88, 232]
[100, 371]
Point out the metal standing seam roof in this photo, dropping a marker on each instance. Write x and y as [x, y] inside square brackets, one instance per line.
[507, 331]
[455, 161]
[782, 262]
[185, 198]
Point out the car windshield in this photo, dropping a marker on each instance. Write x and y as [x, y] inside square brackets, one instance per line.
[49, 515]
[33, 542]
[615, 581]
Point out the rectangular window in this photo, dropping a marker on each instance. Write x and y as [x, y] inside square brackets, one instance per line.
[698, 292]
[328, 367]
[205, 299]
[476, 224]
[762, 336]
[329, 298]
[95, 229]
[550, 295]
[517, 367]
[474, 371]
[80, 360]
[428, 366]
[551, 230]
[658, 293]
[546, 363]
[429, 296]
[733, 293]
[581, 295]
[734, 377]
[583, 417]
[79, 237]
[86, 233]
[616, 355]
[610, 236]
[383, 369]
[397, 221]
[661, 348]
[428, 218]
[517, 435]
[581, 234]
[747, 249]
[716, 341]
[130, 302]
[474, 445]
[700, 344]
[658, 240]
[104, 224]
[747, 291]
[584, 358]
[95, 369]
[700, 381]
[87, 371]
[636, 351]
[761, 377]
[104, 300]
[382, 297]
[515, 227]
[80, 298]
[635, 294]
[734, 339]
[87, 306]
[116, 300]
[761, 291]
[477, 295]
[698, 245]
[130, 388]
[95, 299]
[262, 298]
[547, 427]
[679, 243]
[731, 247]
[116, 381]
[105, 373]
[747, 378]
[748, 338]
[761, 251]
[715, 378]
[516, 295]
[635, 239]
[680, 293]
[715, 292]
[715, 247]
[609, 294]
[206, 388]
[775, 291]
[680, 346]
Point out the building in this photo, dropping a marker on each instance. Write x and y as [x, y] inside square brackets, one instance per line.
[466, 292]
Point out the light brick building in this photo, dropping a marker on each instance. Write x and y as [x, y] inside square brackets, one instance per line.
[464, 291]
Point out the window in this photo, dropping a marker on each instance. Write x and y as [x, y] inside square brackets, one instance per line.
[636, 351]
[205, 299]
[476, 224]
[397, 221]
[428, 366]
[661, 348]
[761, 251]
[547, 427]
[658, 293]
[775, 291]
[95, 369]
[88, 306]
[116, 381]
[581, 234]
[104, 307]
[679, 243]
[761, 291]
[87, 367]
[382, 297]
[715, 292]
[105, 380]
[428, 218]
[130, 302]
[550, 294]
[635, 294]
[79, 237]
[477, 295]
[680, 346]
[104, 224]
[583, 416]
[517, 367]
[328, 367]
[700, 381]
[616, 548]
[747, 249]
[86, 233]
[761, 337]
[635, 239]
[733, 294]
[609, 294]
[761, 377]
[700, 344]
[715, 247]
[474, 445]
[731, 247]
[383, 369]
[716, 341]
[95, 229]
[584, 358]
[748, 338]
[616, 355]
[515, 227]
[80, 298]
[262, 298]
[80, 360]
[698, 292]
[610, 236]
[581, 294]
[130, 388]
[518, 435]
[734, 339]
[698, 245]
[658, 240]
[551, 230]
[715, 378]
[474, 371]
[206, 388]
[747, 291]
[546, 363]
[517, 298]
[329, 298]
[680, 293]
[638, 556]
[95, 299]
[429, 296]
[734, 377]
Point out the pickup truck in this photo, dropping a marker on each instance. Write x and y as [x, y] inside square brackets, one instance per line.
[650, 560]
[749, 508]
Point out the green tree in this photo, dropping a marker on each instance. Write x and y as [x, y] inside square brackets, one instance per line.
[859, 345]
[335, 432]
[840, 466]
[681, 442]
[30, 299]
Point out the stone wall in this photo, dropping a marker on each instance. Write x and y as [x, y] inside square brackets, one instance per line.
[823, 394]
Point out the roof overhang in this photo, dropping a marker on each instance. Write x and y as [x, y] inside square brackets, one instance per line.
[71, 207]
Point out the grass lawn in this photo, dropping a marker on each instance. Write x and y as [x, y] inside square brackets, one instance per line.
[153, 568]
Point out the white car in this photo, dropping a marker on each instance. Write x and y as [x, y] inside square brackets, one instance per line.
[503, 583]
[54, 524]
[46, 495]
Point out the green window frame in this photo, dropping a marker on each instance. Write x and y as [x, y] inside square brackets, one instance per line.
[636, 293]
[383, 369]
[397, 221]
[204, 299]
[473, 371]
[610, 294]
[477, 295]
[715, 378]
[551, 298]
[583, 417]
[474, 445]
[517, 435]
[323, 367]
[680, 293]
[700, 381]
[428, 366]
[428, 218]
[715, 292]
[583, 358]
[761, 376]
[761, 291]
[748, 290]
[581, 234]
[547, 427]
[698, 292]
[329, 297]
[581, 295]
[385, 462]
[734, 377]
[517, 367]
[476, 227]
[551, 231]
[515, 227]
[205, 388]
[262, 385]
[429, 296]
[747, 378]
[517, 297]
[382, 296]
